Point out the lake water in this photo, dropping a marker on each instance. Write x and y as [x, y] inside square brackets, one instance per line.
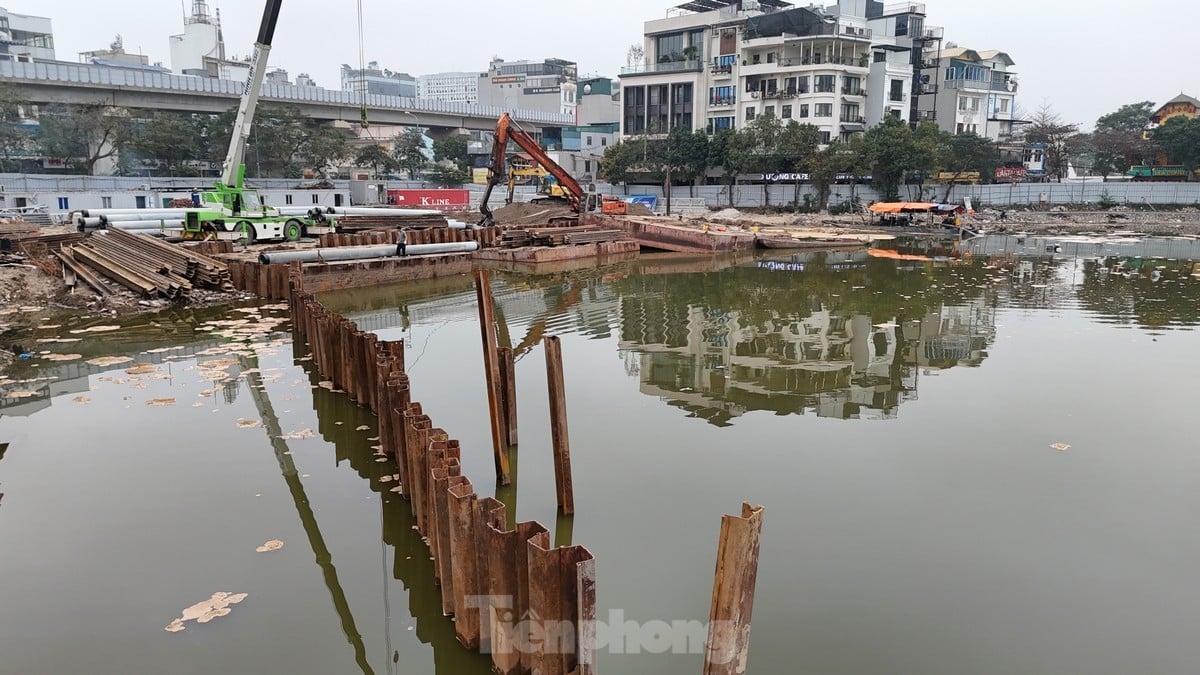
[894, 415]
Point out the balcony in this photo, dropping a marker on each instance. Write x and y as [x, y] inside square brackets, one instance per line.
[853, 91]
[926, 116]
[926, 89]
[722, 102]
[853, 62]
[983, 85]
[931, 34]
[904, 8]
[852, 119]
[659, 68]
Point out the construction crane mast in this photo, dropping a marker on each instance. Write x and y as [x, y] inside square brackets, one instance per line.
[233, 170]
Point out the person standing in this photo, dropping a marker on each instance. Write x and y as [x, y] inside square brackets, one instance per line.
[402, 243]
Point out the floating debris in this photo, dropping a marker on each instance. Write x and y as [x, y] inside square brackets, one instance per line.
[248, 424]
[273, 545]
[198, 404]
[105, 361]
[82, 400]
[161, 401]
[203, 612]
[64, 357]
[325, 384]
[1061, 447]
[362, 428]
[303, 433]
[96, 329]
[142, 369]
[385, 479]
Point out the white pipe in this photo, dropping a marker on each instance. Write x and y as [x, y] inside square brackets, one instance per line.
[144, 224]
[362, 252]
[94, 213]
[367, 211]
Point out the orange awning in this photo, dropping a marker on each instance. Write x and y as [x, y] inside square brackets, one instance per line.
[901, 207]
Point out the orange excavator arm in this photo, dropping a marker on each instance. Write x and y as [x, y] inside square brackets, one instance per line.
[508, 130]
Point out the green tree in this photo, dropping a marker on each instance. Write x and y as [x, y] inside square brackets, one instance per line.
[1048, 128]
[82, 135]
[448, 174]
[452, 148]
[616, 162]
[408, 150]
[282, 142]
[720, 154]
[893, 151]
[759, 143]
[1179, 138]
[1120, 142]
[825, 165]
[14, 141]
[169, 142]
[964, 153]
[687, 156]
[374, 156]
[798, 146]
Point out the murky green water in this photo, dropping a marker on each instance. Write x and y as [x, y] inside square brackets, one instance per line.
[895, 417]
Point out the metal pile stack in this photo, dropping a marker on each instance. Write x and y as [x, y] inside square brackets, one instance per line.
[558, 236]
[144, 265]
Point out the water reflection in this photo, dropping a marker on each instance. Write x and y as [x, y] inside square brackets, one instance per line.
[842, 335]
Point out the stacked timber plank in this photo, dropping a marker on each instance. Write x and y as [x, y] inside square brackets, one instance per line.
[143, 264]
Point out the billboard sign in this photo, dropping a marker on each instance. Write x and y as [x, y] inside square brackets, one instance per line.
[442, 200]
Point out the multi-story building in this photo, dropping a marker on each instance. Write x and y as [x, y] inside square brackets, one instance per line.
[1180, 106]
[546, 86]
[378, 81]
[449, 87]
[975, 93]
[24, 36]
[717, 64]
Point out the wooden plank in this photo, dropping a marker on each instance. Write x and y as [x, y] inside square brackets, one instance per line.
[487, 327]
[564, 487]
[733, 593]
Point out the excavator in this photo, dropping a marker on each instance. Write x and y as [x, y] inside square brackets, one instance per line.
[573, 193]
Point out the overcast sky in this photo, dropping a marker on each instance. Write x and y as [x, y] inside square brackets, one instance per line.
[1085, 58]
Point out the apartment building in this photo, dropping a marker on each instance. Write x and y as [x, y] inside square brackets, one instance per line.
[975, 93]
[449, 87]
[25, 37]
[378, 81]
[718, 64]
[550, 85]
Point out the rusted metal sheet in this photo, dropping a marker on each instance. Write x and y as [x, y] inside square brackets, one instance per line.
[733, 593]
[508, 391]
[563, 485]
[464, 514]
[487, 327]
[562, 583]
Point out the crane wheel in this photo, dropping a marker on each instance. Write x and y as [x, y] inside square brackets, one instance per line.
[293, 229]
[249, 234]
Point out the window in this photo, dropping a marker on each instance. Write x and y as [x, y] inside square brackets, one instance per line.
[1003, 105]
[802, 111]
[823, 110]
[769, 111]
[722, 95]
[749, 113]
[589, 140]
[894, 112]
[826, 137]
[879, 57]
[959, 129]
[770, 57]
[587, 166]
[826, 83]
[287, 199]
[897, 91]
[720, 124]
[63, 204]
[852, 86]
[106, 202]
[850, 113]
[787, 112]
[316, 199]
[962, 102]
[603, 141]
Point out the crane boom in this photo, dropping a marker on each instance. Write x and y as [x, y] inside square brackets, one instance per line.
[508, 130]
[232, 171]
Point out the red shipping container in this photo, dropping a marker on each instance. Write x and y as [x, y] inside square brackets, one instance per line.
[442, 200]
